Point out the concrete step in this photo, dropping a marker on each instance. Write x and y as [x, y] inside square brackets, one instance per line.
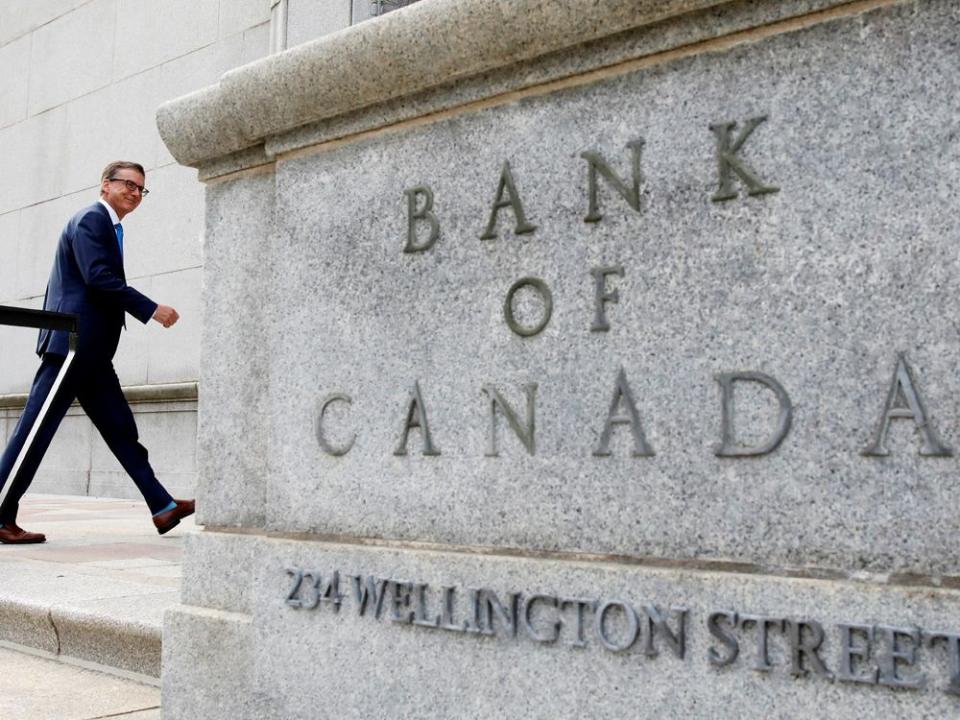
[96, 591]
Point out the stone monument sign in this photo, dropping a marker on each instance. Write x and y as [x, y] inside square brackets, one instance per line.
[577, 359]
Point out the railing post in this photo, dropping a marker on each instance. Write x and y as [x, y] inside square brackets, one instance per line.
[41, 320]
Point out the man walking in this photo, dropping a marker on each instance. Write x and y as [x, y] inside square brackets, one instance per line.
[88, 280]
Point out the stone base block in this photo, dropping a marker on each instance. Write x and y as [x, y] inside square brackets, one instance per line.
[430, 634]
[207, 660]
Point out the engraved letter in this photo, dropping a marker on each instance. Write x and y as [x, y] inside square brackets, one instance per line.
[446, 619]
[904, 402]
[891, 662]
[528, 624]
[292, 599]
[600, 274]
[321, 438]
[622, 395]
[526, 436]
[596, 164]
[493, 609]
[952, 642]
[363, 592]
[541, 287]
[512, 200]
[474, 624]
[763, 625]
[416, 418]
[400, 593]
[420, 612]
[728, 639]
[424, 213]
[727, 160]
[657, 623]
[582, 606]
[805, 645]
[728, 446]
[849, 653]
[633, 626]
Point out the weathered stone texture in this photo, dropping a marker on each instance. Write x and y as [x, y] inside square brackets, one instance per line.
[295, 660]
[819, 285]
[825, 265]
[232, 432]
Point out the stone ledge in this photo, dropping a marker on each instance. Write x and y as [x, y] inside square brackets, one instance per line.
[168, 392]
[215, 540]
[213, 614]
[713, 29]
[124, 644]
[426, 45]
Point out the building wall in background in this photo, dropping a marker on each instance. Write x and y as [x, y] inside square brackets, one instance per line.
[80, 82]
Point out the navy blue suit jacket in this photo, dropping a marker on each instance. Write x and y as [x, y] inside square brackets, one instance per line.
[88, 280]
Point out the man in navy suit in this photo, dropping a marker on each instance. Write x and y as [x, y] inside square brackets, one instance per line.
[88, 280]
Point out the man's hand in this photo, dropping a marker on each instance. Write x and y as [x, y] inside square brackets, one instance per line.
[166, 315]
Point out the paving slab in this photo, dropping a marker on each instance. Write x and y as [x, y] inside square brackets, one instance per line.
[37, 688]
[98, 588]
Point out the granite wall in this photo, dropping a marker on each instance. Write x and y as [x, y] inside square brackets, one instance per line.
[601, 365]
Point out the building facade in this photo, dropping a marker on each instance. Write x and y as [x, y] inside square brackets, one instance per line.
[80, 82]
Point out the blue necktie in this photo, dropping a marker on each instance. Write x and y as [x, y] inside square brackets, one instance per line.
[119, 228]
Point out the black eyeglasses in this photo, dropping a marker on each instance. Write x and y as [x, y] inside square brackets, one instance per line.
[131, 186]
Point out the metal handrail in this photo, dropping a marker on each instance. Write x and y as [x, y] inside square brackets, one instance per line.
[41, 320]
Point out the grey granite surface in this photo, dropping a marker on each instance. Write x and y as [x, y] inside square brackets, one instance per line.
[208, 658]
[424, 46]
[827, 288]
[231, 432]
[218, 571]
[820, 285]
[686, 34]
[360, 665]
[110, 641]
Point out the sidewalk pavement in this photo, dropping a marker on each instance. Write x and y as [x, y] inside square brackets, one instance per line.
[88, 601]
[33, 688]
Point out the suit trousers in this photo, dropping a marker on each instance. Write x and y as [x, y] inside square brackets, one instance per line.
[95, 384]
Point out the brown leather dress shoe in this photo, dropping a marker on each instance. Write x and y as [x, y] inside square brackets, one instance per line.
[167, 521]
[13, 534]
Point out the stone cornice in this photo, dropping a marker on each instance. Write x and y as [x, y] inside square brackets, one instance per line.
[409, 51]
